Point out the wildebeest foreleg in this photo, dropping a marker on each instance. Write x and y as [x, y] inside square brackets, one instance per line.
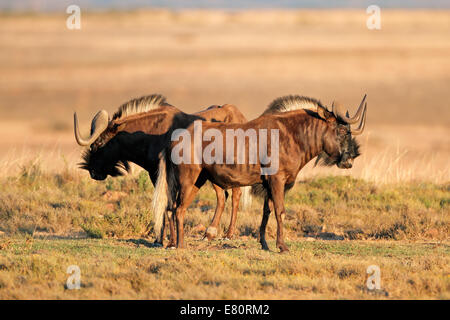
[235, 199]
[277, 191]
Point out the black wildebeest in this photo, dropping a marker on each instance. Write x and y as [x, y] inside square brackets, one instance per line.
[137, 133]
[301, 129]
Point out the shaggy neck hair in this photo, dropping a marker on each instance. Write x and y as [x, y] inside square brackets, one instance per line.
[139, 105]
[296, 102]
[291, 103]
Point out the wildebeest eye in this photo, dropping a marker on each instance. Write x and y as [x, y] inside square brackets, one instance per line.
[342, 131]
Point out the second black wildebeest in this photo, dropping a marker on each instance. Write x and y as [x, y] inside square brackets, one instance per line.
[301, 129]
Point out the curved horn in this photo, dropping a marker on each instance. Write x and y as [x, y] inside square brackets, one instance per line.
[360, 128]
[341, 115]
[98, 125]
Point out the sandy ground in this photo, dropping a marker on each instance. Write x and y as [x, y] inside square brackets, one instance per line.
[199, 58]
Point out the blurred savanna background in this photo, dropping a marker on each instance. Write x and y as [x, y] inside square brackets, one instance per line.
[197, 58]
[200, 53]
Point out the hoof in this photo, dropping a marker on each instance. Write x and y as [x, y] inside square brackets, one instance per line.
[264, 246]
[283, 248]
[211, 233]
[171, 246]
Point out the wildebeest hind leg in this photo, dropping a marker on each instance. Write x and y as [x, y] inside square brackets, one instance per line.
[190, 182]
[186, 197]
[262, 228]
[159, 240]
[171, 218]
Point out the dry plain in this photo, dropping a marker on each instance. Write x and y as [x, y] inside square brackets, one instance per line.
[391, 209]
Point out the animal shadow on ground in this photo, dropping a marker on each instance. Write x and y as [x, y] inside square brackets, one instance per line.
[326, 236]
[143, 242]
[49, 236]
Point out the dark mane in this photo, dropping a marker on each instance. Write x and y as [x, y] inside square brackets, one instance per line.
[139, 105]
[291, 103]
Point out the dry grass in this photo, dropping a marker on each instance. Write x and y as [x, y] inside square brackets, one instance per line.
[335, 226]
[130, 269]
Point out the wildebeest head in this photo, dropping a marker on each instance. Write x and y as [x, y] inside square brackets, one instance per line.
[103, 156]
[340, 147]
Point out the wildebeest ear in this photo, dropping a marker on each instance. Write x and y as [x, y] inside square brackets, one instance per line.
[325, 114]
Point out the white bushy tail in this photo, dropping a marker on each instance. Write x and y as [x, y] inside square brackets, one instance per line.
[246, 198]
[160, 196]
